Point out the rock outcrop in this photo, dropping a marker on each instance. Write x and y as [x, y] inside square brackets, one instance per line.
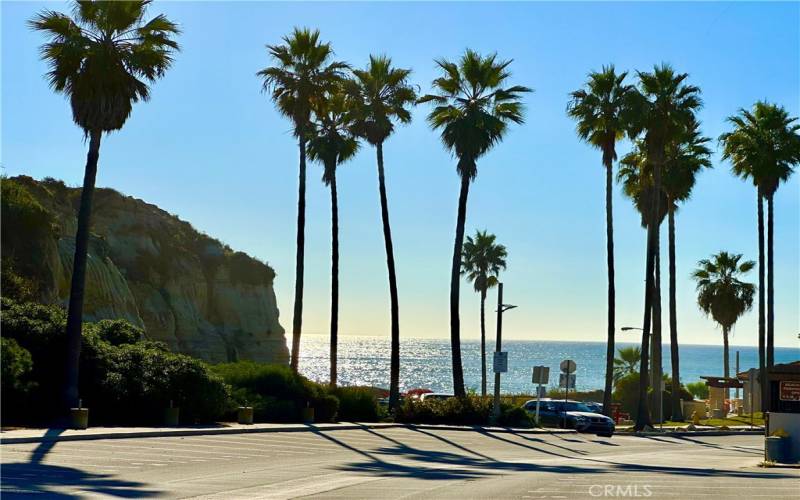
[149, 267]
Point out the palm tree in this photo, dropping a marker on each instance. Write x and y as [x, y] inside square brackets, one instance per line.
[380, 95]
[601, 112]
[685, 158]
[103, 58]
[331, 142]
[721, 293]
[303, 71]
[482, 261]
[661, 109]
[473, 111]
[627, 362]
[764, 146]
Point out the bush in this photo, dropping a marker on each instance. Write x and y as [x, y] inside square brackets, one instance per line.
[16, 364]
[699, 390]
[122, 382]
[358, 404]
[276, 393]
[626, 393]
[515, 416]
[469, 410]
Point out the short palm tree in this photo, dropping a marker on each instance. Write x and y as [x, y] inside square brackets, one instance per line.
[601, 111]
[331, 141]
[482, 261]
[661, 110]
[722, 294]
[103, 58]
[627, 362]
[764, 147]
[303, 70]
[472, 110]
[381, 95]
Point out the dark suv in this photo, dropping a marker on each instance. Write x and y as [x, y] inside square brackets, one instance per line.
[580, 417]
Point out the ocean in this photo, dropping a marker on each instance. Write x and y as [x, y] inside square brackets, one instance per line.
[425, 363]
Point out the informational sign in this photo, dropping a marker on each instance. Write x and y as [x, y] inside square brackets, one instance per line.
[568, 366]
[790, 390]
[566, 378]
[501, 362]
[541, 375]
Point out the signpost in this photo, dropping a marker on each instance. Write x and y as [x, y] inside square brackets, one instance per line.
[541, 375]
[567, 379]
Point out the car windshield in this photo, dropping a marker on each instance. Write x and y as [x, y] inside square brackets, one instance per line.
[572, 406]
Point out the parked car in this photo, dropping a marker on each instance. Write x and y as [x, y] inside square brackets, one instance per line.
[594, 406]
[429, 396]
[574, 414]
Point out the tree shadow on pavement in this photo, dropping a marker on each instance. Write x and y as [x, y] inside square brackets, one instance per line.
[23, 479]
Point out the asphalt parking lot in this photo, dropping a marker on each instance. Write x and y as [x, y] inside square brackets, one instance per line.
[397, 463]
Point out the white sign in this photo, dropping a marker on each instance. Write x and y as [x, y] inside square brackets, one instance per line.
[500, 362]
[564, 377]
[568, 366]
[541, 375]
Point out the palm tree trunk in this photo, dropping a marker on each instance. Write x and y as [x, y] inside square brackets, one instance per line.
[394, 364]
[297, 318]
[78, 283]
[611, 292]
[642, 413]
[761, 305]
[677, 413]
[770, 286]
[483, 343]
[334, 279]
[726, 360]
[656, 348]
[455, 282]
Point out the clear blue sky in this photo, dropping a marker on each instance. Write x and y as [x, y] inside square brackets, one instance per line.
[210, 148]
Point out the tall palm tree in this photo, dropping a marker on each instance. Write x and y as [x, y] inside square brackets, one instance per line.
[482, 261]
[627, 362]
[764, 147]
[473, 111]
[661, 109]
[722, 294]
[303, 70]
[685, 158]
[601, 110]
[381, 94]
[331, 142]
[103, 58]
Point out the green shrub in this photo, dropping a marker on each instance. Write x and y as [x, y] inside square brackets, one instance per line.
[514, 416]
[699, 390]
[276, 393]
[469, 410]
[124, 383]
[358, 404]
[117, 332]
[16, 365]
[626, 393]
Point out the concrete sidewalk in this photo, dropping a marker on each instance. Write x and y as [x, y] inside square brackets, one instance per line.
[28, 435]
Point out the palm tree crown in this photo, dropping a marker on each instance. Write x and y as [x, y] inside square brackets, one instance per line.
[331, 139]
[601, 111]
[483, 259]
[721, 293]
[104, 57]
[472, 108]
[627, 361]
[303, 71]
[381, 94]
[764, 145]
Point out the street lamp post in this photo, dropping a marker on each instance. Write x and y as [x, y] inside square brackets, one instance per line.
[501, 308]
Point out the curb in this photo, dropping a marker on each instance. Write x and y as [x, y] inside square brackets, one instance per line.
[694, 433]
[260, 430]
